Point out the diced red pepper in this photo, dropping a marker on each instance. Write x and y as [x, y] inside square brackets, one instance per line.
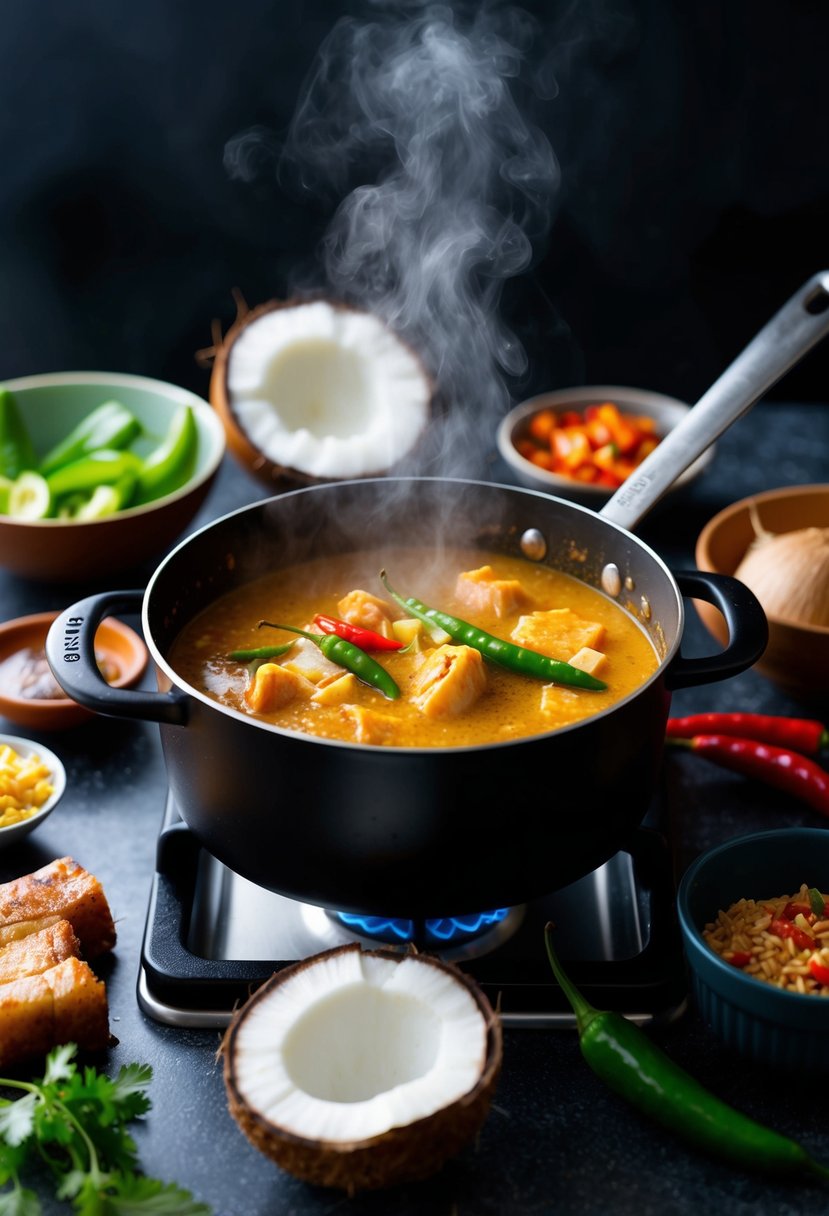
[819, 970]
[787, 928]
[739, 958]
[793, 909]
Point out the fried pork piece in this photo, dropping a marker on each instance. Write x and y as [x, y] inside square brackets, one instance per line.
[366, 610]
[61, 890]
[274, 686]
[481, 591]
[449, 681]
[64, 1004]
[37, 952]
[369, 726]
[558, 632]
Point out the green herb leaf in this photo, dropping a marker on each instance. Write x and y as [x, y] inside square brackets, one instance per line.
[17, 1119]
[76, 1124]
[20, 1203]
[817, 902]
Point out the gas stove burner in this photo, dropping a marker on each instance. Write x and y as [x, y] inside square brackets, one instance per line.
[212, 937]
[441, 933]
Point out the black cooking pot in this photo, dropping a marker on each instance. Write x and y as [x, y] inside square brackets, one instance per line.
[407, 831]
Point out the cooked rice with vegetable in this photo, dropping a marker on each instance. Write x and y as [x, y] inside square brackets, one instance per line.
[25, 785]
[782, 941]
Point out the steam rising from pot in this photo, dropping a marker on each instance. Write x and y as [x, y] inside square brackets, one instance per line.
[412, 123]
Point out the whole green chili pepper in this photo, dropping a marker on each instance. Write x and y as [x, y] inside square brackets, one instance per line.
[170, 464]
[262, 652]
[347, 655]
[626, 1060]
[109, 426]
[16, 451]
[506, 654]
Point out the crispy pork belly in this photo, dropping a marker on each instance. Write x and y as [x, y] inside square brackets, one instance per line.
[366, 610]
[558, 632]
[37, 952]
[481, 591]
[449, 681]
[61, 890]
[66, 1003]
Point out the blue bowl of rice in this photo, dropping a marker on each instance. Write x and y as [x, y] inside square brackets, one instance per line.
[771, 1008]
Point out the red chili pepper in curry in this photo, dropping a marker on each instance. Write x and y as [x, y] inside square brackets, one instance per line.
[366, 639]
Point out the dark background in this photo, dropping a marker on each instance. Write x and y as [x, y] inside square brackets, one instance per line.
[694, 191]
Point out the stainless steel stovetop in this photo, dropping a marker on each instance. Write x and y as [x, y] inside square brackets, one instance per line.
[211, 937]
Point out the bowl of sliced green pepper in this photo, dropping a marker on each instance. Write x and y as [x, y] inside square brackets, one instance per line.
[99, 471]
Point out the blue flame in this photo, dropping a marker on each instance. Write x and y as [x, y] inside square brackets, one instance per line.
[443, 929]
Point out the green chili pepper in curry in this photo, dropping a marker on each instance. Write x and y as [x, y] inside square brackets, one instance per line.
[514, 658]
[626, 1060]
[347, 655]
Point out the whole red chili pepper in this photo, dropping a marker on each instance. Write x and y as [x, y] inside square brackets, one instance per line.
[799, 734]
[366, 639]
[785, 769]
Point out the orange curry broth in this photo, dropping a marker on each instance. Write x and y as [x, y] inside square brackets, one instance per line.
[511, 706]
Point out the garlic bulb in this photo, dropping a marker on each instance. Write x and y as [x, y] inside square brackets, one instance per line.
[789, 574]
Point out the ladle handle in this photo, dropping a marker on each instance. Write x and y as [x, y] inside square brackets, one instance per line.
[788, 336]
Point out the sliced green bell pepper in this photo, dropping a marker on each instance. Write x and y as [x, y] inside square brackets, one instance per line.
[104, 468]
[109, 427]
[170, 464]
[16, 450]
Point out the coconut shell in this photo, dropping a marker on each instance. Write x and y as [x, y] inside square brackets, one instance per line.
[278, 477]
[402, 1154]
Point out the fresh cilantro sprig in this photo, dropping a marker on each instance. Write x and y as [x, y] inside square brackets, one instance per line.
[75, 1123]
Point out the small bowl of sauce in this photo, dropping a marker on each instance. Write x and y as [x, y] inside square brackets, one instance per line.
[30, 695]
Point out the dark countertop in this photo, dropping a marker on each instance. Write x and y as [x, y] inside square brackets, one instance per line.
[556, 1140]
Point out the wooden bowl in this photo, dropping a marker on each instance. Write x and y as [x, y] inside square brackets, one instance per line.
[114, 642]
[797, 656]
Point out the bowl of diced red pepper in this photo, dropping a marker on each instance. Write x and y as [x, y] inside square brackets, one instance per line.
[584, 443]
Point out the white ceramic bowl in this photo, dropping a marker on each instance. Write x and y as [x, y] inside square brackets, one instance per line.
[26, 747]
[666, 412]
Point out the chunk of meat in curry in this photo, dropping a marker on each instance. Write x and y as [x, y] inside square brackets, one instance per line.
[482, 591]
[449, 682]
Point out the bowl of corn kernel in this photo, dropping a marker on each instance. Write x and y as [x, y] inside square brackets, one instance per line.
[32, 781]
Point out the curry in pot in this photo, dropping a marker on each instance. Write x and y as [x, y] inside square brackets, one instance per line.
[350, 656]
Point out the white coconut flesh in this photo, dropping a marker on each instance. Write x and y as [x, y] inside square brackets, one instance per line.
[330, 392]
[354, 1045]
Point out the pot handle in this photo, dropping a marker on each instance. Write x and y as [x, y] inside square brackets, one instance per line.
[70, 650]
[748, 631]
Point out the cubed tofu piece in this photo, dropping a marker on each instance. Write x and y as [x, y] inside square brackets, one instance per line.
[337, 691]
[557, 632]
[67, 1003]
[482, 591]
[366, 610]
[306, 659]
[368, 726]
[589, 660]
[60, 890]
[449, 681]
[274, 686]
[38, 952]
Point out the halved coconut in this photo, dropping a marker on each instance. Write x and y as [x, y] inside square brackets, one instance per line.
[318, 391]
[361, 1069]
